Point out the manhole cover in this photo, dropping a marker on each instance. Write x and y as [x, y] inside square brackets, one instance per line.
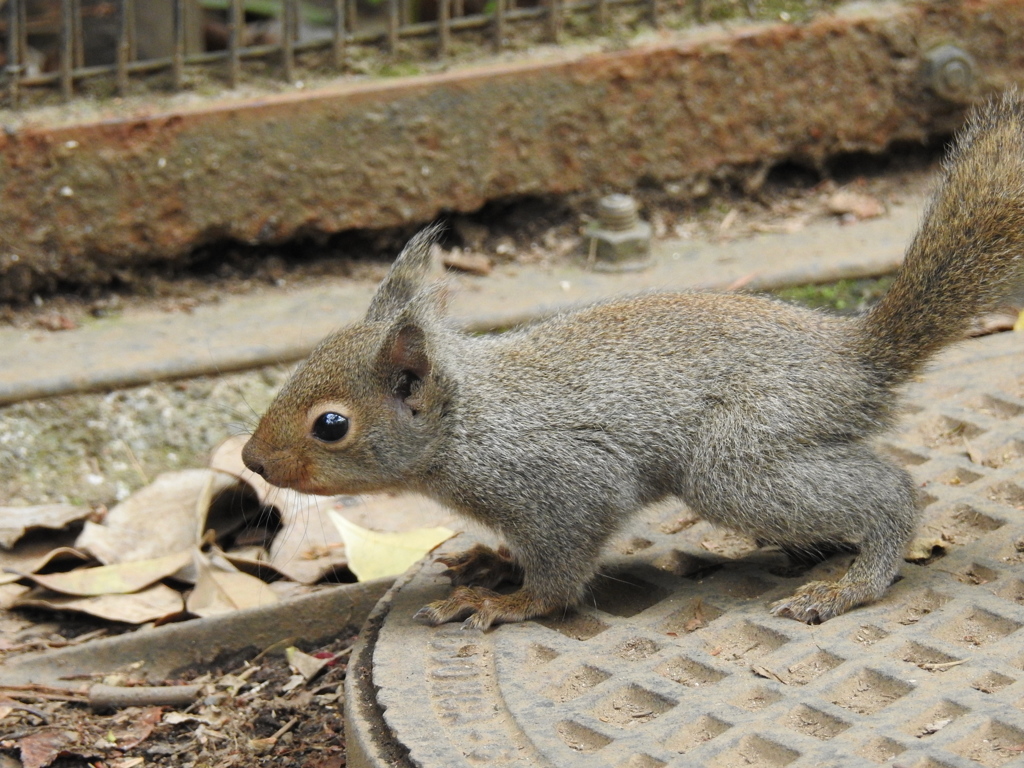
[675, 660]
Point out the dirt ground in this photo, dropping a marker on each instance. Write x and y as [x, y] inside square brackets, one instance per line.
[96, 449]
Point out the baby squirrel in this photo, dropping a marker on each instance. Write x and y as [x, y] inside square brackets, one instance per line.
[759, 415]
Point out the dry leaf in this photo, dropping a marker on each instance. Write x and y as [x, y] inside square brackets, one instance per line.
[166, 516]
[121, 578]
[306, 665]
[374, 554]
[29, 559]
[308, 546]
[856, 203]
[466, 261]
[16, 521]
[220, 588]
[764, 672]
[923, 548]
[42, 747]
[156, 602]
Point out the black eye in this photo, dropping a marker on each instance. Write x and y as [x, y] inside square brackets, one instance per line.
[330, 427]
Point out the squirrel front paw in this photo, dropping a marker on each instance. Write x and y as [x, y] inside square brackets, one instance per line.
[483, 608]
[481, 566]
[819, 601]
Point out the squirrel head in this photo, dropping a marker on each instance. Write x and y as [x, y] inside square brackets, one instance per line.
[361, 414]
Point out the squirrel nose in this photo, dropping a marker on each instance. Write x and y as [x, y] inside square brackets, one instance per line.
[252, 463]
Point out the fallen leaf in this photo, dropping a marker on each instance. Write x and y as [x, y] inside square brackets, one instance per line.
[375, 554]
[42, 747]
[924, 548]
[858, 204]
[466, 261]
[764, 672]
[308, 546]
[934, 727]
[16, 521]
[120, 578]
[156, 602]
[139, 726]
[168, 515]
[220, 588]
[36, 557]
[306, 665]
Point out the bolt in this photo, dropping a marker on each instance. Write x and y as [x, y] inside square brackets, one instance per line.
[950, 73]
[619, 241]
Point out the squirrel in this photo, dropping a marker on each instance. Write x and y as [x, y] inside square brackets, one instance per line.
[758, 414]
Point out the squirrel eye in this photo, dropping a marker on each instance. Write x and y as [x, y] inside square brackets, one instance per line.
[330, 427]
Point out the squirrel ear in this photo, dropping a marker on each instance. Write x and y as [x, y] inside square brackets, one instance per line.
[405, 278]
[406, 350]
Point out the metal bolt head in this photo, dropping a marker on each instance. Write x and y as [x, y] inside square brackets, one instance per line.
[950, 73]
[619, 240]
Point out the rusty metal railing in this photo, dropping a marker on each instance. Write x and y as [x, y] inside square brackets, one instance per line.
[71, 54]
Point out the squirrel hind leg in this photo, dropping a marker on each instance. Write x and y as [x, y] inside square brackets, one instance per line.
[482, 607]
[481, 566]
[872, 572]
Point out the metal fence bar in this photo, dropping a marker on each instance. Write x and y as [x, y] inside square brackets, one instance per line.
[70, 69]
[554, 8]
[393, 25]
[444, 31]
[133, 39]
[67, 49]
[13, 52]
[178, 56]
[499, 24]
[289, 31]
[78, 33]
[123, 50]
[338, 38]
[351, 17]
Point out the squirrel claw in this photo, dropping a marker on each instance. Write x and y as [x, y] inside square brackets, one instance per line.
[481, 566]
[820, 601]
[482, 607]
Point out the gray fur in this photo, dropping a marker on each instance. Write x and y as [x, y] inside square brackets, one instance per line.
[757, 414]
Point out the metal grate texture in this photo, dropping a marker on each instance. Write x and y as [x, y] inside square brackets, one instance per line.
[677, 661]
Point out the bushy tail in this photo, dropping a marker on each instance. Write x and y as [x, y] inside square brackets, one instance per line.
[968, 252]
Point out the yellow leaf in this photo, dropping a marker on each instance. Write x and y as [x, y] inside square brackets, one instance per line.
[1019, 325]
[373, 554]
[118, 579]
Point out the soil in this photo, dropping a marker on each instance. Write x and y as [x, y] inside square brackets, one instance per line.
[258, 713]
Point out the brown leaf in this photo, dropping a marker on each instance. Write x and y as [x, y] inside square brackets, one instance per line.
[857, 204]
[156, 602]
[42, 747]
[121, 578]
[306, 665]
[35, 557]
[141, 725]
[760, 671]
[466, 261]
[178, 500]
[16, 521]
[221, 588]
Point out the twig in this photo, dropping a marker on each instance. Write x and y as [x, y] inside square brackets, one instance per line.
[116, 696]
